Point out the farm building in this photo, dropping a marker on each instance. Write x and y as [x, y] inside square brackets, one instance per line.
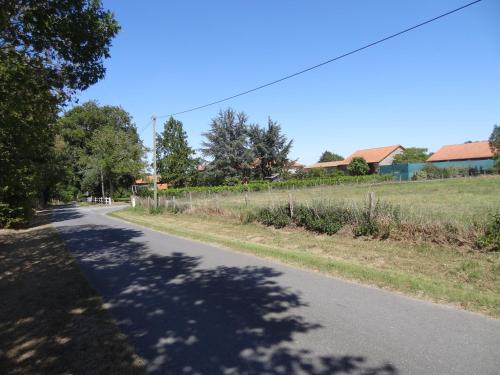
[467, 155]
[327, 165]
[375, 157]
[474, 157]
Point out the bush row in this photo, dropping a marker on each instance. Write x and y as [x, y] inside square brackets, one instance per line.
[381, 221]
[262, 186]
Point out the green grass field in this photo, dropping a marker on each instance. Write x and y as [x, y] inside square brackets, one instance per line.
[459, 201]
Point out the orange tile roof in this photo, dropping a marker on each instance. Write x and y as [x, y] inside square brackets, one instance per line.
[465, 151]
[147, 180]
[372, 155]
[325, 164]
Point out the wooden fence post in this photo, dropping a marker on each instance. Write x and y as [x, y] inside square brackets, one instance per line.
[190, 201]
[173, 202]
[371, 204]
[246, 199]
[290, 204]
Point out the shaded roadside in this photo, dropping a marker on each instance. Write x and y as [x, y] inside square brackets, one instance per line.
[185, 318]
[51, 320]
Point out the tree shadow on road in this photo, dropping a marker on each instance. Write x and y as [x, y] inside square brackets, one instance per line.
[185, 319]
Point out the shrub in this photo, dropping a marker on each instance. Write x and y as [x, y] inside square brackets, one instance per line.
[11, 217]
[321, 218]
[491, 237]
[156, 210]
[277, 217]
[377, 223]
[358, 167]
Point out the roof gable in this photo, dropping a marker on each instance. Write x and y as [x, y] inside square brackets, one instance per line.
[465, 151]
[372, 155]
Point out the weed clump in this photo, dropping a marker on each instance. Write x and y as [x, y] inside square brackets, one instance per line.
[491, 237]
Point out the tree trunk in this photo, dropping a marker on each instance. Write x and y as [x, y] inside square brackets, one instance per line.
[110, 187]
[102, 183]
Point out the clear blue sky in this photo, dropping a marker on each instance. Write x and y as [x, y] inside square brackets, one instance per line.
[437, 85]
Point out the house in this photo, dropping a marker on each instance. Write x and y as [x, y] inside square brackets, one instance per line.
[375, 157]
[471, 155]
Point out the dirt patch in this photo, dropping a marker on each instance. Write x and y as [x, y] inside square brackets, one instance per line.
[51, 320]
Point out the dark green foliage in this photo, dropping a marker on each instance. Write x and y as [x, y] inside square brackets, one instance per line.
[366, 225]
[277, 217]
[270, 148]
[227, 145]
[491, 238]
[321, 218]
[377, 221]
[411, 155]
[329, 156]
[101, 148]
[431, 172]
[158, 210]
[48, 49]
[358, 167]
[176, 164]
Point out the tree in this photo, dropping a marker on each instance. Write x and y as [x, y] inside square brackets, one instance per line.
[358, 167]
[329, 156]
[114, 153]
[270, 148]
[176, 164]
[90, 134]
[48, 49]
[226, 145]
[411, 155]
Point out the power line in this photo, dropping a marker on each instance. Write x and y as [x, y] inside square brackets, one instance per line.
[324, 62]
[145, 127]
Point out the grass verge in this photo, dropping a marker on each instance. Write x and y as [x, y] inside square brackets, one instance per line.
[467, 279]
[51, 320]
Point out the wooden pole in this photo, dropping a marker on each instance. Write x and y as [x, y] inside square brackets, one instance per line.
[290, 204]
[155, 185]
[371, 204]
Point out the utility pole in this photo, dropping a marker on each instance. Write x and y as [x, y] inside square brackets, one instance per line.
[155, 187]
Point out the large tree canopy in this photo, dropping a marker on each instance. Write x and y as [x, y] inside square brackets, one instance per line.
[227, 145]
[270, 148]
[48, 49]
[100, 144]
[411, 155]
[329, 156]
[63, 40]
[235, 148]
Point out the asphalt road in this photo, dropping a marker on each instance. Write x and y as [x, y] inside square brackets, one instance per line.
[191, 308]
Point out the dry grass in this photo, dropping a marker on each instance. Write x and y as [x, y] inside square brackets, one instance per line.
[445, 274]
[51, 320]
[461, 201]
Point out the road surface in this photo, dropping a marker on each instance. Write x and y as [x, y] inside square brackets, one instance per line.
[192, 308]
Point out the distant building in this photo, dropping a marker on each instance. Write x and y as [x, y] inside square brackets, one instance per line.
[466, 151]
[327, 165]
[375, 157]
[147, 182]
